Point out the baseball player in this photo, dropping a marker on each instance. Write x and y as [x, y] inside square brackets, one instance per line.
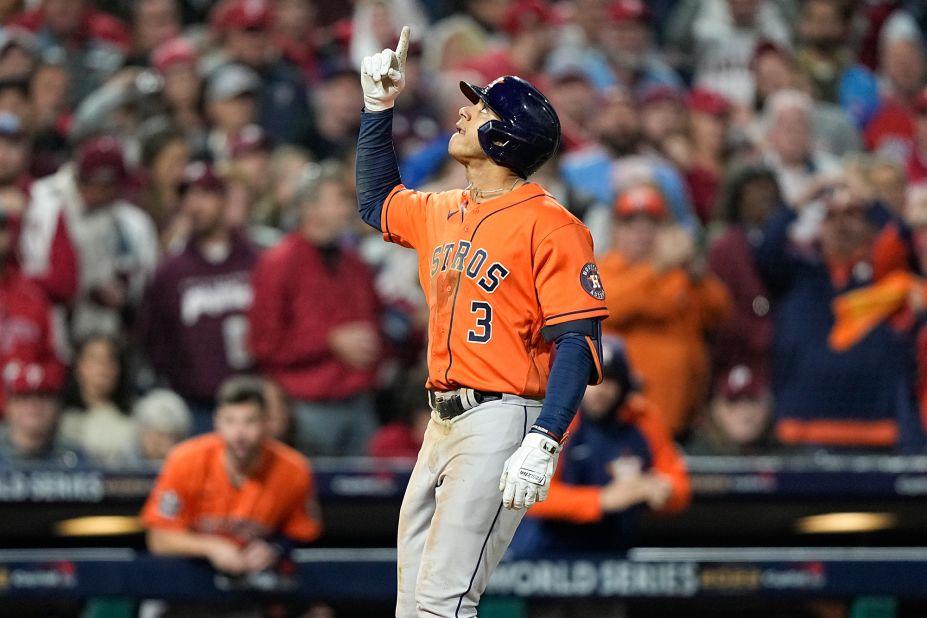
[508, 275]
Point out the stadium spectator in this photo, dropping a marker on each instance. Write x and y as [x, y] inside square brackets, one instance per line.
[825, 397]
[663, 113]
[749, 197]
[333, 132]
[162, 420]
[889, 183]
[709, 118]
[195, 313]
[822, 51]
[403, 436]
[88, 248]
[662, 302]
[96, 403]
[119, 108]
[248, 175]
[455, 39]
[153, 23]
[902, 72]
[91, 44]
[620, 458]
[244, 29]
[917, 159]
[739, 418]
[231, 105]
[14, 98]
[33, 406]
[789, 146]
[235, 497]
[775, 68]
[165, 154]
[287, 164]
[619, 159]
[176, 62]
[626, 38]
[15, 148]
[314, 321]
[47, 93]
[26, 331]
[528, 24]
[281, 424]
[717, 37]
[298, 36]
[18, 49]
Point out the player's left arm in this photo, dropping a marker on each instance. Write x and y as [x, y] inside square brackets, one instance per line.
[377, 170]
[572, 303]
[577, 362]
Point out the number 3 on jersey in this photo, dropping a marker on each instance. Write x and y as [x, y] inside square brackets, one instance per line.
[483, 331]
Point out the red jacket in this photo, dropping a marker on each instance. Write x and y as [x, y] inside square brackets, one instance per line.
[25, 326]
[298, 300]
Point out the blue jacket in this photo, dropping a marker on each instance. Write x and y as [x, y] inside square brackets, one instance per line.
[851, 398]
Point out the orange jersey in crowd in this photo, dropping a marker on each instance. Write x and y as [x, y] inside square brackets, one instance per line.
[495, 274]
[663, 318]
[194, 493]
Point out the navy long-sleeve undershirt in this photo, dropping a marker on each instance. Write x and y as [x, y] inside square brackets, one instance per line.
[377, 169]
[572, 370]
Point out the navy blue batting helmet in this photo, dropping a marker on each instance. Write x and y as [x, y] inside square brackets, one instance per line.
[528, 133]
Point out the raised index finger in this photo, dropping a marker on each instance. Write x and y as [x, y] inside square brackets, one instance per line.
[402, 49]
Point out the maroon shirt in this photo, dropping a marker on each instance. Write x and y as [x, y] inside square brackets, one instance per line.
[195, 321]
[298, 300]
[746, 337]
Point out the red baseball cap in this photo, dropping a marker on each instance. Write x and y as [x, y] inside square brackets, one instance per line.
[653, 93]
[525, 15]
[242, 15]
[708, 102]
[740, 382]
[770, 47]
[628, 10]
[641, 199]
[21, 378]
[201, 175]
[252, 138]
[174, 51]
[100, 161]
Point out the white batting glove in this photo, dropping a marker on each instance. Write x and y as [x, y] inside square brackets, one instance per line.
[526, 474]
[383, 75]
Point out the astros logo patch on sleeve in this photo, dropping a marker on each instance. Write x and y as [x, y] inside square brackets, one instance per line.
[591, 282]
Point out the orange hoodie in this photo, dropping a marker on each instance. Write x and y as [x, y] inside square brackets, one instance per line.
[663, 318]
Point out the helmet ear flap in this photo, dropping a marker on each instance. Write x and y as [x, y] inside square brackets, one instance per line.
[502, 142]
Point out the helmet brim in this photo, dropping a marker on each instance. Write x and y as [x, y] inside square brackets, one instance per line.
[475, 93]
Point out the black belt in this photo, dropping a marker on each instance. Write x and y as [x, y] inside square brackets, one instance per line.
[454, 403]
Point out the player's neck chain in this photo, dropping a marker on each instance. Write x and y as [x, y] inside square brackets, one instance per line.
[478, 195]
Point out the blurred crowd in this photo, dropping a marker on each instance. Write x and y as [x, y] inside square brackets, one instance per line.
[177, 207]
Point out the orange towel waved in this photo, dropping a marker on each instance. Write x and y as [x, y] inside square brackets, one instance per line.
[859, 311]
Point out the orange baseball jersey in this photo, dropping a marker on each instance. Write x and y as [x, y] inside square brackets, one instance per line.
[194, 493]
[495, 274]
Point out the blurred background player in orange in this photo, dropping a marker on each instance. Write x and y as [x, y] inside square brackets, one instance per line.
[235, 496]
[619, 458]
[662, 302]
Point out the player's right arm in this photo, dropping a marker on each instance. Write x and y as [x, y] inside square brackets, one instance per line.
[377, 170]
